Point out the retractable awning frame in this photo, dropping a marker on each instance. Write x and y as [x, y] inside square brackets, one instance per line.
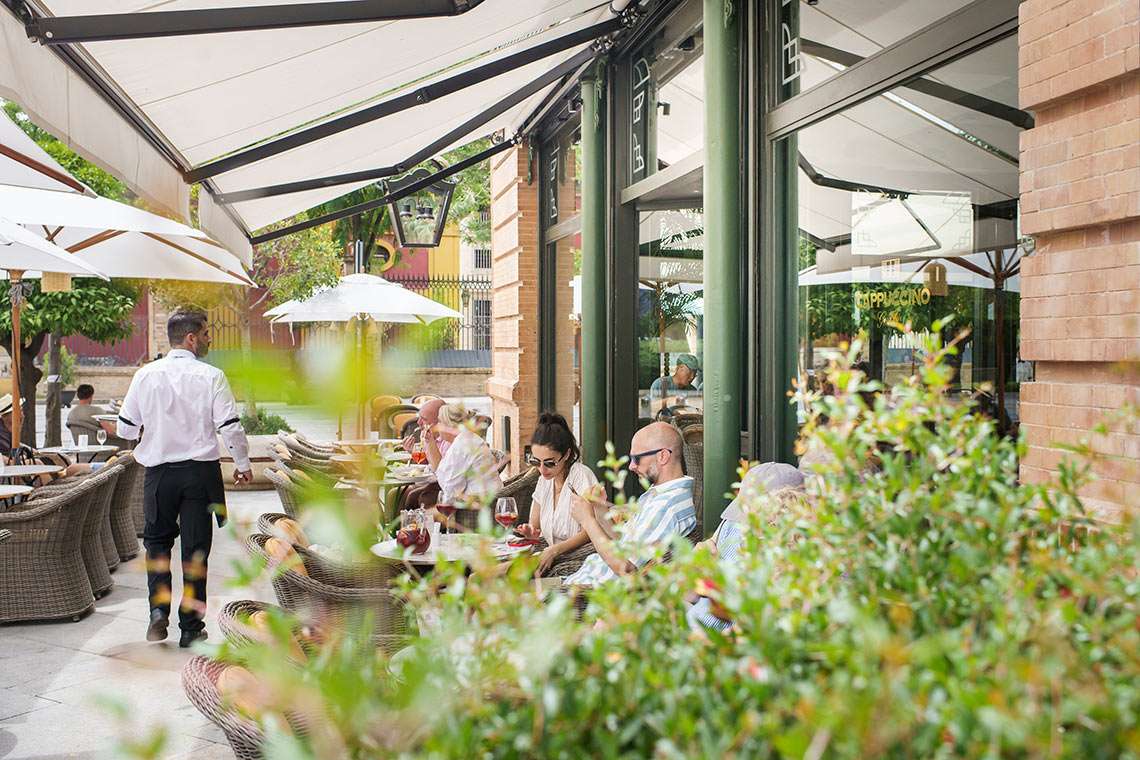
[64, 30]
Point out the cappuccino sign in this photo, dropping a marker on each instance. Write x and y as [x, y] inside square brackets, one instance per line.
[891, 299]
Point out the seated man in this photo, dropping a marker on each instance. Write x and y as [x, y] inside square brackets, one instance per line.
[674, 389]
[664, 511]
[81, 418]
[726, 541]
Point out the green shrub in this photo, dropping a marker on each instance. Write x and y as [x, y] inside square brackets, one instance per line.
[264, 423]
[921, 604]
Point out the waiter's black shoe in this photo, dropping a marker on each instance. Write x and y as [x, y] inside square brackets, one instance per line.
[189, 637]
[156, 631]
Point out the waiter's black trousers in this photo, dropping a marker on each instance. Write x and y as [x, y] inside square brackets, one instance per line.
[177, 500]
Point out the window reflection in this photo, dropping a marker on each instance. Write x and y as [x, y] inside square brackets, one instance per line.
[907, 213]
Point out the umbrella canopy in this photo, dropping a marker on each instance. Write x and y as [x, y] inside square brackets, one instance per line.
[367, 295]
[21, 250]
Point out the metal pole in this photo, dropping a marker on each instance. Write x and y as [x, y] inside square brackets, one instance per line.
[723, 359]
[17, 297]
[593, 357]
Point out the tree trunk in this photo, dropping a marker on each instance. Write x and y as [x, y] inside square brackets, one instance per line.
[53, 436]
[30, 376]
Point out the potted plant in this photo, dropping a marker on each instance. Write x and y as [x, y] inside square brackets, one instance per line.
[261, 429]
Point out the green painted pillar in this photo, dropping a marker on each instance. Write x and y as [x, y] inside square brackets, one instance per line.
[593, 359]
[723, 358]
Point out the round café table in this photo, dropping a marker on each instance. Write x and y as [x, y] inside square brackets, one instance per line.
[79, 451]
[462, 547]
[16, 471]
[12, 492]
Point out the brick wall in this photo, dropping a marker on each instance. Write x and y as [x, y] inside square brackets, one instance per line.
[513, 385]
[1079, 72]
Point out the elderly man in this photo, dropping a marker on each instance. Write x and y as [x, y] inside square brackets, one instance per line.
[664, 511]
[184, 405]
[669, 390]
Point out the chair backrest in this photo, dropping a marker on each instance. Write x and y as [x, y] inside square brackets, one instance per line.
[423, 398]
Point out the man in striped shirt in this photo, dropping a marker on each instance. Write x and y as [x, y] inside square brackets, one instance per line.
[664, 511]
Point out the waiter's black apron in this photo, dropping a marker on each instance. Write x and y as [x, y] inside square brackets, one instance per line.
[179, 499]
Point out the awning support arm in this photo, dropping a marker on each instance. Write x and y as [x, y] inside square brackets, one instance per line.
[463, 130]
[403, 102]
[843, 184]
[360, 208]
[63, 30]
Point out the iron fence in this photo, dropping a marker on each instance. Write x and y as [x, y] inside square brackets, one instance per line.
[470, 296]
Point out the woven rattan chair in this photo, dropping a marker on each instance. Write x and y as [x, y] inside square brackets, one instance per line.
[367, 574]
[313, 597]
[295, 445]
[122, 507]
[694, 453]
[232, 620]
[385, 420]
[42, 572]
[95, 525]
[200, 682]
[287, 492]
[323, 448]
[107, 535]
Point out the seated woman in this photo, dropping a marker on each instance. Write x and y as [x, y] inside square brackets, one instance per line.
[782, 482]
[466, 473]
[555, 453]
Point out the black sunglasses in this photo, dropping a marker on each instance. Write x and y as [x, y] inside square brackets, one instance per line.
[534, 461]
[636, 458]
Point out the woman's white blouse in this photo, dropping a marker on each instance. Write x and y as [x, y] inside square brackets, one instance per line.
[467, 470]
[555, 521]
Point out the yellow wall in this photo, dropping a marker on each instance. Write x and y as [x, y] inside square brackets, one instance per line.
[444, 260]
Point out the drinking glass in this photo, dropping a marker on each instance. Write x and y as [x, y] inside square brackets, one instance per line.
[101, 436]
[506, 512]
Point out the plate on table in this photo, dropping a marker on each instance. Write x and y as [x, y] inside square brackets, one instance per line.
[412, 472]
[398, 456]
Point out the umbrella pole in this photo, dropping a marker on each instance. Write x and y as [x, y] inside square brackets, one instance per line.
[17, 296]
[360, 381]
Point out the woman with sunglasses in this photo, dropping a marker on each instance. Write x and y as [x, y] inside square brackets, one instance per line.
[555, 453]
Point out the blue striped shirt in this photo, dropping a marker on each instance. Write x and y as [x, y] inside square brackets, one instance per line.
[729, 541]
[664, 511]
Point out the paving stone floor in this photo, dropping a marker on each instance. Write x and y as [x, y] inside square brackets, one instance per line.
[54, 676]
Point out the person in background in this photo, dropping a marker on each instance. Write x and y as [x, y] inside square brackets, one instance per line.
[555, 453]
[664, 511]
[184, 405]
[81, 419]
[466, 472]
[727, 540]
[671, 389]
[428, 414]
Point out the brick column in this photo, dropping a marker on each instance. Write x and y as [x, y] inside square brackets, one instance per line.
[1079, 72]
[513, 386]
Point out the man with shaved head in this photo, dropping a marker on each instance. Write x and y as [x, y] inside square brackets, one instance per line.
[664, 511]
[427, 494]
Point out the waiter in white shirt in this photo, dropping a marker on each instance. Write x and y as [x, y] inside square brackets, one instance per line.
[181, 405]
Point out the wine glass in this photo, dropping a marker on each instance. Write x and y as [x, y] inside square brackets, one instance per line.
[506, 512]
[101, 436]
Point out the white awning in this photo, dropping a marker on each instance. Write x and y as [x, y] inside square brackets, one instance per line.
[211, 96]
[53, 208]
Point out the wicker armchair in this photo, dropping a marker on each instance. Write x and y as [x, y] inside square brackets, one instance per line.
[287, 492]
[367, 574]
[314, 597]
[200, 682]
[122, 506]
[296, 446]
[42, 572]
[95, 525]
[232, 620]
[106, 496]
[326, 449]
[694, 453]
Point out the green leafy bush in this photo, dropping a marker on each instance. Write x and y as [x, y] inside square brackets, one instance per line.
[264, 423]
[919, 602]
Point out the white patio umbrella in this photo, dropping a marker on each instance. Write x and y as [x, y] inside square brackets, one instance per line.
[21, 250]
[116, 238]
[358, 297]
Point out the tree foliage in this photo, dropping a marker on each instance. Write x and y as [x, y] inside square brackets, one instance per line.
[95, 309]
[472, 194]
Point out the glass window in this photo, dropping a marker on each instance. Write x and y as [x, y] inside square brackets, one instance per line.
[907, 212]
[817, 40]
[566, 332]
[561, 179]
[667, 111]
[670, 324]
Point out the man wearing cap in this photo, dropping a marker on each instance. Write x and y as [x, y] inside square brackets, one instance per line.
[180, 405]
[728, 539]
[672, 387]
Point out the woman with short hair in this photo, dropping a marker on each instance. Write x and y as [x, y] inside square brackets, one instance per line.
[467, 472]
[555, 453]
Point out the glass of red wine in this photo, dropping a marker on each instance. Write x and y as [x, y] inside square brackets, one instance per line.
[447, 510]
[506, 512]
